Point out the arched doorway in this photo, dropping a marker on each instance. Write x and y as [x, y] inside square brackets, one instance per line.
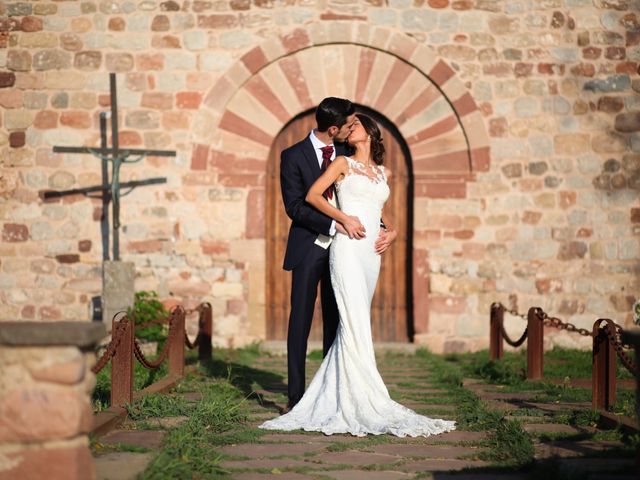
[391, 316]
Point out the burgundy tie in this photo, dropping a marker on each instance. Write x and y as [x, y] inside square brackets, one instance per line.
[326, 161]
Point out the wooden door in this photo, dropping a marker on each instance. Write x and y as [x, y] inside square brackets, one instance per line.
[389, 309]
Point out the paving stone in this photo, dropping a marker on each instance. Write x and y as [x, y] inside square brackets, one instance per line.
[552, 428]
[456, 436]
[351, 457]
[412, 404]
[262, 450]
[151, 439]
[267, 476]
[425, 451]
[121, 465]
[269, 463]
[566, 448]
[441, 465]
[365, 475]
[593, 465]
[309, 438]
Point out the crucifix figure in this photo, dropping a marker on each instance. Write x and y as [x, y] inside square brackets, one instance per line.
[110, 192]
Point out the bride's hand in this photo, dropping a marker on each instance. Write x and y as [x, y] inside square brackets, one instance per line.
[384, 240]
[354, 228]
[340, 229]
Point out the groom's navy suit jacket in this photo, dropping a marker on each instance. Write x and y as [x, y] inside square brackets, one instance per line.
[299, 169]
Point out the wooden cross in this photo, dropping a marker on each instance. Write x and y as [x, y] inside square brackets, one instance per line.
[117, 156]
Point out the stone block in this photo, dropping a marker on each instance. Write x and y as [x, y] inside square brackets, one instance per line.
[118, 289]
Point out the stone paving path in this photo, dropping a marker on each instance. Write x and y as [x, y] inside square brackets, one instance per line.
[315, 456]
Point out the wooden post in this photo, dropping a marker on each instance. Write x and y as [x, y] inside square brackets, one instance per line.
[603, 370]
[205, 332]
[535, 341]
[176, 342]
[122, 362]
[496, 346]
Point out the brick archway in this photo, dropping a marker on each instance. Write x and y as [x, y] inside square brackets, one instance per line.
[386, 71]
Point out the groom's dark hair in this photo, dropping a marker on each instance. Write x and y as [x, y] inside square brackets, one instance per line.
[333, 111]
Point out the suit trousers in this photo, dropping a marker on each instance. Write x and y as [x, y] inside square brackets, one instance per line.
[304, 287]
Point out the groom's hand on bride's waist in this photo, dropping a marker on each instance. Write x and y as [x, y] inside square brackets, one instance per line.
[354, 228]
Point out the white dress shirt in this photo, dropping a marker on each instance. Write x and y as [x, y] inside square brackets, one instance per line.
[318, 145]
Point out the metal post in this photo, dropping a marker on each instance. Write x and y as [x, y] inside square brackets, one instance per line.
[603, 371]
[176, 342]
[106, 194]
[115, 180]
[122, 363]
[496, 346]
[535, 341]
[205, 332]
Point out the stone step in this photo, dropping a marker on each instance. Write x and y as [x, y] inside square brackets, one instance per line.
[121, 465]
[151, 439]
[266, 450]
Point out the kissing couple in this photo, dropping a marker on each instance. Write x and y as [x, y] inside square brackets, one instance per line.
[335, 196]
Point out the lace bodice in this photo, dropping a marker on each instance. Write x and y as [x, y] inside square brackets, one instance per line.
[362, 186]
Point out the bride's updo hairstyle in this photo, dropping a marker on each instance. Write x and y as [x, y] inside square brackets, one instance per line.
[372, 129]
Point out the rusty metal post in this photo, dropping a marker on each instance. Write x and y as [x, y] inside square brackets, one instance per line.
[603, 370]
[535, 344]
[496, 346]
[176, 342]
[122, 362]
[205, 332]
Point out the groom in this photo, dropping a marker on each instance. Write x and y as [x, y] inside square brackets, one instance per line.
[307, 254]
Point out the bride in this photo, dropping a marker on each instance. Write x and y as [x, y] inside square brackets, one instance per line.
[347, 394]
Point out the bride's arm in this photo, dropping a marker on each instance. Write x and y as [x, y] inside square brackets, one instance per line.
[314, 197]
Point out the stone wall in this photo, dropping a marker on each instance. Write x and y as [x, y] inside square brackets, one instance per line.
[45, 412]
[543, 93]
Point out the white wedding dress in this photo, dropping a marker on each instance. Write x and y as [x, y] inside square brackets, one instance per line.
[347, 394]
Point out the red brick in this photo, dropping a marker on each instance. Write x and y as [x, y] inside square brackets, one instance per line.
[615, 53]
[531, 218]
[567, 199]
[296, 40]
[15, 232]
[175, 120]
[635, 215]
[199, 156]
[242, 180]
[116, 24]
[31, 24]
[75, 119]
[591, 53]
[584, 232]
[55, 463]
[254, 59]
[501, 69]
[441, 72]
[441, 190]
[438, 3]
[165, 41]
[7, 79]
[214, 247]
[465, 105]
[292, 71]
[447, 304]
[462, 5]
[150, 61]
[630, 68]
[463, 234]
[238, 125]
[437, 129]
[217, 21]
[445, 162]
[84, 245]
[583, 70]
[399, 73]
[264, 94]
[28, 312]
[128, 138]
[365, 64]
[157, 100]
[188, 100]
[340, 16]
[160, 23]
[523, 69]
[17, 139]
[551, 68]
[146, 246]
[49, 312]
[68, 258]
[255, 221]
[46, 119]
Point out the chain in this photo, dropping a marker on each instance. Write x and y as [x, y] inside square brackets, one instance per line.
[618, 346]
[509, 310]
[560, 325]
[165, 350]
[111, 347]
